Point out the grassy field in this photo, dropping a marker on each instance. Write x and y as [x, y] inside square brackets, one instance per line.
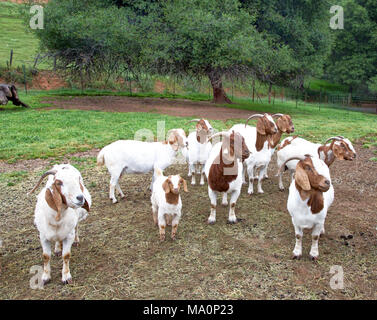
[15, 36]
[30, 134]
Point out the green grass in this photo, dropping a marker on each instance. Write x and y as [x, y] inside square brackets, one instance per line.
[14, 36]
[326, 86]
[30, 133]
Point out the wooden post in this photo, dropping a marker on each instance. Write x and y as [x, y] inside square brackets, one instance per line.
[23, 69]
[253, 89]
[11, 59]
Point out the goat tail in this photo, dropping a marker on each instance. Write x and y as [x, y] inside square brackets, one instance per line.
[101, 158]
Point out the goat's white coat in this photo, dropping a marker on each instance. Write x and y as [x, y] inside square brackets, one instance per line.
[257, 159]
[301, 214]
[63, 230]
[132, 156]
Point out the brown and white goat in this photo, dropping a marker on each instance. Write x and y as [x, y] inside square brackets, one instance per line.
[310, 196]
[224, 171]
[339, 148]
[197, 152]
[166, 201]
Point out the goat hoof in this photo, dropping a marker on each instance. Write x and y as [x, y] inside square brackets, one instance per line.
[281, 189]
[58, 254]
[224, 204]
[211, 222]
[162, 239]
[75, 244]
[173, 238]
[296, 257]
[68, 281]
[46, 281]
[313, 258]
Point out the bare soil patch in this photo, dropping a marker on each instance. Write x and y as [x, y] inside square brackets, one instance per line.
[176, 107]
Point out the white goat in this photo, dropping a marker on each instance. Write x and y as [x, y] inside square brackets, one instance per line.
[339, 148]
[61, 204]
[131, 156]
[260, 143]
[224, 171]
[310, 195]
[198, 149]
[167, 201]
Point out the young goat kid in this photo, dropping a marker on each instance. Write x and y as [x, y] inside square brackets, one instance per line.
[166, 201]
[224, 171]
[131, 156]
[310, 196]
[339, 148]
[61, 204]
[198, 149]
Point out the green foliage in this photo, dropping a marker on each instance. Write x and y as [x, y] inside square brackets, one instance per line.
[353, 60]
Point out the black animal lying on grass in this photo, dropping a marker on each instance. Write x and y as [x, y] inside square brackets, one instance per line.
[9, 93]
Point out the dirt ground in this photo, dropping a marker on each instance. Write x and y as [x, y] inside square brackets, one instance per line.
[176, 107]
[120, 255]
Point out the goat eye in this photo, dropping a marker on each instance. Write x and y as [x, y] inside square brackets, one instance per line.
[59, 183]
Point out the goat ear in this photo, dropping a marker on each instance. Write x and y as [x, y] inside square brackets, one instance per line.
[260, 127]
[86, 205]
[184, 185]
[166, 186]
[302, 178]
[54, 200]
[173, 141]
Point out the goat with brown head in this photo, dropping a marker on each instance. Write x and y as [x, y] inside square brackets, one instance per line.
[311, 189]
[60, 206]
[224, 171]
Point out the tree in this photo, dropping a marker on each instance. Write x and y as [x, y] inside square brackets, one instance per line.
[353, 60]
[204, 38]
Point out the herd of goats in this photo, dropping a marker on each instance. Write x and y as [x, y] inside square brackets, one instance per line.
[243, 151]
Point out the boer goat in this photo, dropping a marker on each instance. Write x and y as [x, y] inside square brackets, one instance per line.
[339, 148]
[198, 149]
[310, 195]
[259, 140]
[131, 156]
[166, 201]
[61, 204]
[224, 171]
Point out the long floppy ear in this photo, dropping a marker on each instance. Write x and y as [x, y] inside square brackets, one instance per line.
[338, 152]
[226, 151]
[173, 141]
[282, 124]
[260, 127]
[54, 200]
[166, 186]
[87, 197]
[184, 184]
[302, 178]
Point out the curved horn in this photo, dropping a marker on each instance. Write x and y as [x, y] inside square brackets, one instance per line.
[40, 180]
[290, 159]
[253, 116]
[334, 138]
[225, 133]
[193, 120]
[341, 137]
[277, 115]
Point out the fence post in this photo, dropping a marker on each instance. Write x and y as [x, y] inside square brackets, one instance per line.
[23, 69]
[11, 59]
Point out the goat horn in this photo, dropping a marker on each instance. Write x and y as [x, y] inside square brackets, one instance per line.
[193, 120]
[225, 133]
[277, 115]
[253, 116]
[290, 159]
[40, 180]
[334, 138]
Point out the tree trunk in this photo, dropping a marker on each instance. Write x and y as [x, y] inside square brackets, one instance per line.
[219, 95]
